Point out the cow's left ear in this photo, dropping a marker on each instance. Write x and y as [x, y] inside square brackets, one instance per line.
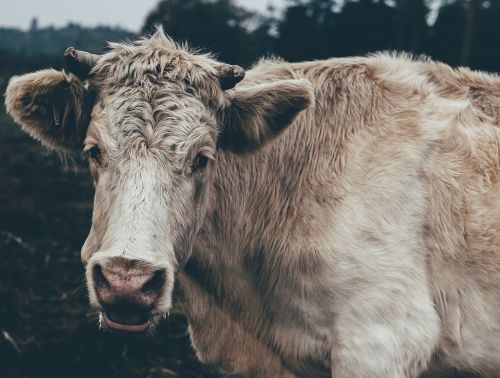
[259, 113]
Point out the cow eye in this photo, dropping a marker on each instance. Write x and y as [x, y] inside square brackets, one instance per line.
[94, 154]
[200, 162]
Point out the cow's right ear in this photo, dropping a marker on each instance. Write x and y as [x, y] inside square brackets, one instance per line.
[51, 108]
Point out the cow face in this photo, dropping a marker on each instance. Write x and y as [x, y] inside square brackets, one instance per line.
[152, 117]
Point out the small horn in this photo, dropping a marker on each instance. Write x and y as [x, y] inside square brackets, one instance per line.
[229, 75]
[79, 62]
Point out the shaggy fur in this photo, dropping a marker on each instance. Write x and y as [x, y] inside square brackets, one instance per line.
[357, 238]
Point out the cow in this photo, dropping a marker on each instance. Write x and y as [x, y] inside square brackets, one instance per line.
[336, 217]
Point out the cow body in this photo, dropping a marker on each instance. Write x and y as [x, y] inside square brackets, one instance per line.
[372, 223]
[330, 218]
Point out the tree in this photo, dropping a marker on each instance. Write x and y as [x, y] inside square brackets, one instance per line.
[485, 41]
[412, 25]
[218, 26]
[365, 26]
[448, 31]
[306, 30]
[473, 6]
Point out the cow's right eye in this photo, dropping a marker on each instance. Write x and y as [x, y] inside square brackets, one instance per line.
[94, 154]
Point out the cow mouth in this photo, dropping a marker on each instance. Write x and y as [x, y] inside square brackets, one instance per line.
[139, 324]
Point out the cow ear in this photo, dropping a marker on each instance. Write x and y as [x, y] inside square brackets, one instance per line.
[51, 108]
[259, 113]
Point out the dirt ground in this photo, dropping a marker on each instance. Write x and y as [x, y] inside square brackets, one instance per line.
[46, 326]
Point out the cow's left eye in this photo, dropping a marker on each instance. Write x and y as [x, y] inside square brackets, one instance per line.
[200, 162]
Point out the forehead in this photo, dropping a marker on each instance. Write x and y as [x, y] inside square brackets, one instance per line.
[155, 116]
[154, 91]
[151, 64]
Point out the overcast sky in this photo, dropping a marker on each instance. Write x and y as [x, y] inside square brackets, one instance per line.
[128, 14]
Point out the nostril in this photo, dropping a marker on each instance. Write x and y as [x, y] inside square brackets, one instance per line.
[154, 284]
[127, 292]
[99, 278]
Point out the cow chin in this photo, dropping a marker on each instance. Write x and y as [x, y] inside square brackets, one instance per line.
[129, 295]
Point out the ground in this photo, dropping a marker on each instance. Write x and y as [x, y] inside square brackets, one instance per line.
[46, 326]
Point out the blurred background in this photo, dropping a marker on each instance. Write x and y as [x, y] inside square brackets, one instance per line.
[46, 328]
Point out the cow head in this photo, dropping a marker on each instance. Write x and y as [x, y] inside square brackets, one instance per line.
[152, 117]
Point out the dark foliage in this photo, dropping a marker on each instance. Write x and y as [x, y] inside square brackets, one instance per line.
[466, 32]
[218, 26]
[53, 41]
